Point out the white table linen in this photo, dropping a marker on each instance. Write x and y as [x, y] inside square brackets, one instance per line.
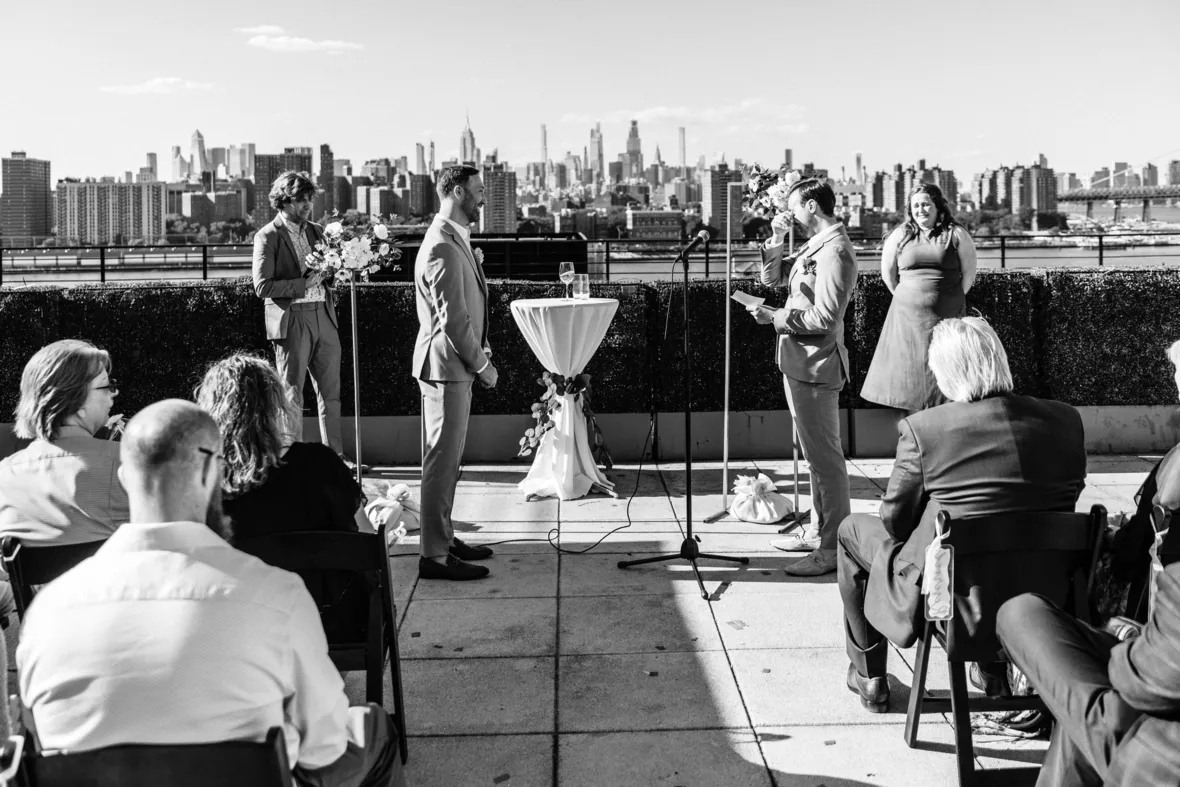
[564, 333]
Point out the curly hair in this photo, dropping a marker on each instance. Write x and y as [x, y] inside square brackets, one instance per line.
[946, 217]
[55, 384]
[254, 410]
[818, 190]
[289, 187]
[452, 177]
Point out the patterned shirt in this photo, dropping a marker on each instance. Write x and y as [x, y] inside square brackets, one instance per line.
[303, 248]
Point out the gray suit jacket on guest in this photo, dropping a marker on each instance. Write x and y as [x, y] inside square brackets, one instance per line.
[452, 301]
[811, 330]
[278, 276]
[1001, 455]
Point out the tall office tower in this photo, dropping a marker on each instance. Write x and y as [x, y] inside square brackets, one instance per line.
[596, 156]
[499, 210]
[327, 179]
[152, 165]
[26, 213]
[467, 150]
[181, 168]
[420, 163]
[633, 163]
[1118, 174]
[233, 167]
[248, 165]
[199, 159]
[342, 168]
[218, 157]
[422, 196]
[544, 151]
[431, 172]
[788, 159]
[380, 170]
[1151, 175]
[683, 153]
[105, 212]
[267, 167]
[1041, 161]
[860, 170]
[714, 199]
[1174, 172]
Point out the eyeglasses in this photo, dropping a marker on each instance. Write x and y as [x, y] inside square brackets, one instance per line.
[210, 453]
[111, 386]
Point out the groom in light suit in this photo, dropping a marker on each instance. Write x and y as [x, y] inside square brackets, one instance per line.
[811, 355]
[451, 353]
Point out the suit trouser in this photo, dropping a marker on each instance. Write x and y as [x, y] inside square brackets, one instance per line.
[816, 411]
[446, 409]
[370, 759]
[313, 344]
[1065, 661]
[861, 537]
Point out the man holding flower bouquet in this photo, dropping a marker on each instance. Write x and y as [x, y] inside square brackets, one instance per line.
[811, 354]
[300, 313]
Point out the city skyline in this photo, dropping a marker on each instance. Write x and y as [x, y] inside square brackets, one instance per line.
[998, 80]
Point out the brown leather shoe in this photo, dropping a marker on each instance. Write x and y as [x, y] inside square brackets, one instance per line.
[992, 682]
[874, 692]
[467, 552]
[454, 569]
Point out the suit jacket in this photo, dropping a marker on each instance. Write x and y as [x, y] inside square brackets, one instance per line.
[452, 300]
[1001, 455]
[1145, 671]
[811, 326]
[278, 276]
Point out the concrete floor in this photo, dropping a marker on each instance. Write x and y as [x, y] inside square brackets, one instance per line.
[562, 669]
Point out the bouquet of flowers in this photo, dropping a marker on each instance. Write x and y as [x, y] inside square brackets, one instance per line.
[356, 250]
[766, 190]
[556, 386]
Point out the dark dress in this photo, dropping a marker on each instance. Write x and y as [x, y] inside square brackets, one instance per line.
[311, 490]
[929, 289]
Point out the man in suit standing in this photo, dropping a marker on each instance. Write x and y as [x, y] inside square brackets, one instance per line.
[452, 352]
[987, 451]
[811, 355]
[300, 313]
[1116, 704]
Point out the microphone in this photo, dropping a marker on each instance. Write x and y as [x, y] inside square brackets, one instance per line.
[702, 237]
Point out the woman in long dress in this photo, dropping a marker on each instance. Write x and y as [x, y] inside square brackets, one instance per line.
[928, 264]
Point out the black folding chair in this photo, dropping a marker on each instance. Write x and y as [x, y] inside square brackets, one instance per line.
[226, 764]
[331, 551]
[30, 566]
[991, 558]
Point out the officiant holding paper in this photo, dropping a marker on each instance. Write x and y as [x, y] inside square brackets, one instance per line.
[820, 280]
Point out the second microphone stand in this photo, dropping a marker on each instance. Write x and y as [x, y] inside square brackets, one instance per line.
[688, 548]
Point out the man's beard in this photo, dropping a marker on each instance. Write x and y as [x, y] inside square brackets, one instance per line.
[215, 518]
[472, 212]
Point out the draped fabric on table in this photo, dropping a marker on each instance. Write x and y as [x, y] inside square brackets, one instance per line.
[564, 334]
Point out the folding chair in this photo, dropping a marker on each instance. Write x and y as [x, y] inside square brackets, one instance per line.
[1063, 547]
[331, 551]
[30, 566]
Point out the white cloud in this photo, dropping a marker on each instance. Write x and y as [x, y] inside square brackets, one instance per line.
[158, 86]
[260, 30]
[280, 43]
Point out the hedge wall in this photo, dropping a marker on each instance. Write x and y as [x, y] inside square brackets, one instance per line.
[1088, 337]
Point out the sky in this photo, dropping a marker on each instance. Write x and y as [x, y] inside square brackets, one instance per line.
[93, 87]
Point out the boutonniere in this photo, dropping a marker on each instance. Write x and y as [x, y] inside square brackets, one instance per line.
[808, 266]
[478, 253]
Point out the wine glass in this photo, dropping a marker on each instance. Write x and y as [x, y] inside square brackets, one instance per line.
[566, 273]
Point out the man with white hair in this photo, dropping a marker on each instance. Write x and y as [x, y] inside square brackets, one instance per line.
[988, 451]
[169, 635]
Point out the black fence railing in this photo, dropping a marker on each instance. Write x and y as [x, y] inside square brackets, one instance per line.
[537, 257]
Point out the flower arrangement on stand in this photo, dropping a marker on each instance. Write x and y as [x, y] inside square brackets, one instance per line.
[346, 254]
[557, 386]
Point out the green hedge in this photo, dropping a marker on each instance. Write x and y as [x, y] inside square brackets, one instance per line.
[1088, 337]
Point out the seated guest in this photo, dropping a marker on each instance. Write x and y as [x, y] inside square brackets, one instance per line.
[169, 635]
[63, 487]
[272, 485]
[1116, 704]
[987, 451]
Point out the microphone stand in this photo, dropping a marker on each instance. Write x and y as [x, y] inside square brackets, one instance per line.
[688, 548]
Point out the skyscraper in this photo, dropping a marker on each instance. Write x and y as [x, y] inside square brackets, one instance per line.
[714, 199]
[327, 179]
[596, 157]
[1151, 175]
[180, 167]
[633, 160]
[467, 149]
[860, 170]
[683, 153]
[1174, 173]
[420, 163]
[105, 212]
[248, 161]
[544, 152]
[267, 167]
[199, 160]
[151, 165]
[26, 214]
[499, 210]
[431, 172]
[787, 158]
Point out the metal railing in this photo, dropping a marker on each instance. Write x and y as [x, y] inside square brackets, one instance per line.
[524, 257]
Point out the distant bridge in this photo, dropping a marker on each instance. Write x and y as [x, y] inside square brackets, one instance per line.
[1120, 194]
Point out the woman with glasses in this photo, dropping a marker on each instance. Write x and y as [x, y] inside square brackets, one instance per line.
[63, 488]
[273, 484]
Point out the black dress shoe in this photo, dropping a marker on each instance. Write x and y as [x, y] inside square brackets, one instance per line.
[874, 692]
[468, 552]
[351, 465]
[454, 569]
[993, 682]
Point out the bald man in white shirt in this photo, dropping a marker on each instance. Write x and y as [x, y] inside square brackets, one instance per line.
[168, 635]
